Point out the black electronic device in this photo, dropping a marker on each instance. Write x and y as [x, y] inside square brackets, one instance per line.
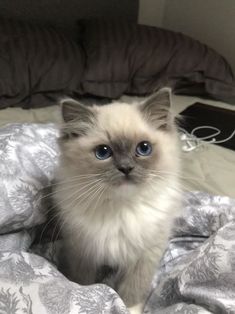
[202, 115]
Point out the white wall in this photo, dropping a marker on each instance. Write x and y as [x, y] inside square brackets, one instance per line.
[151, 12]
[210, 21]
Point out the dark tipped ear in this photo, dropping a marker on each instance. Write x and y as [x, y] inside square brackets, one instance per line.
[73, 110]
[78, 118]
[156, 108]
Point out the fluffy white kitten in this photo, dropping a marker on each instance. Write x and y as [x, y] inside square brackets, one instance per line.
[118, 192]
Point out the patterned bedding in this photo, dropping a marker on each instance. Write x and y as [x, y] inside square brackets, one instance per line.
[197, 273]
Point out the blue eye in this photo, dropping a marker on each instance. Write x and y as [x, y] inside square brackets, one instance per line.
[143, 149]
[103, 152]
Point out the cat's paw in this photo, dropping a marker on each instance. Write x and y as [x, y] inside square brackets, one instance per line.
[136, 309]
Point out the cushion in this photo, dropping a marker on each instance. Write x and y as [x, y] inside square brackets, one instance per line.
[37, 65]
[123, 57]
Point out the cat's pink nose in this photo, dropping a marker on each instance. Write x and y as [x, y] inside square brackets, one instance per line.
[125, 170]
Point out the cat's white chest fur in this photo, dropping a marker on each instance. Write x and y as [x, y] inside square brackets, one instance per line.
[119, 232]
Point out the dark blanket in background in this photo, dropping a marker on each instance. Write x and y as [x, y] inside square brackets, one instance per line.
[39, 64]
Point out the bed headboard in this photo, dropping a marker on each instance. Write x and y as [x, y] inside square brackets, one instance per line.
[65, 13]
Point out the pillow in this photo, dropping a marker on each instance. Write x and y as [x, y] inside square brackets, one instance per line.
[123, 57]
[28, 156]
[37, 65]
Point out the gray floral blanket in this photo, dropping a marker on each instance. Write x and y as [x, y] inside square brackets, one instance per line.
[197, 273]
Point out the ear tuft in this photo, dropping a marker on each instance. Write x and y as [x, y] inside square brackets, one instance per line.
[78, 118]
[73, 110]
[156, 108]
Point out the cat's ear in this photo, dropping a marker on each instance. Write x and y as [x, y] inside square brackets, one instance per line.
[74, 111]
[156, 109]
[78, 118]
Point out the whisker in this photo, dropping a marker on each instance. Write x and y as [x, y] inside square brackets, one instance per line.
[94, 192]
[180, 183]
[83, 176]
[83, 196]
[58, 204]
[71, 179]
[84, 193]
[45, 227]
[101, 191]
[89, 192]
[53, 240]
[70, 187]
[180, 189]
[173, 174]
[60, 225]
[47, 223]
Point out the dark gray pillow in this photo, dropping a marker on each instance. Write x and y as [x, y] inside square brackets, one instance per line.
[37, 65]
[123, 57]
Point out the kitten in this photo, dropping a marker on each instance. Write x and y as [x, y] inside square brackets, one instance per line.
[118, 192]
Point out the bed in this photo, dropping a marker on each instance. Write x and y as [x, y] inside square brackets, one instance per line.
[196, 274]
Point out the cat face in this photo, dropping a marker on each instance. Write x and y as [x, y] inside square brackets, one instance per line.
[119, 144]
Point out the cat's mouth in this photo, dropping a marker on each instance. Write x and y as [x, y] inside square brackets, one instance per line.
[126, 180]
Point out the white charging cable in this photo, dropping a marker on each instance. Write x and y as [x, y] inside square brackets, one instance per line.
[191, 141]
